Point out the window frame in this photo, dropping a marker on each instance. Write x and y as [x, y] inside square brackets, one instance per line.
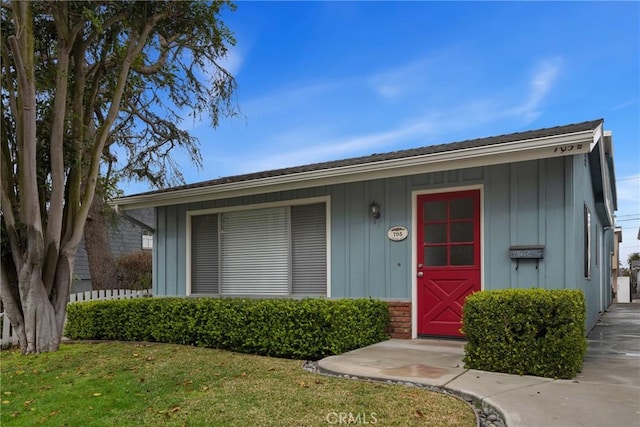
[146, 237]
[255, 206]
[587, 242]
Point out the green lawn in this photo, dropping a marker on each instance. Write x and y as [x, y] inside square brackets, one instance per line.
[122, 384]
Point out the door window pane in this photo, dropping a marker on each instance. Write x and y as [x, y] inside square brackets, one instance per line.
[435, 233]
[461, 209]
[462, 255]
[462, 231]
[435, 211]
[435, 255]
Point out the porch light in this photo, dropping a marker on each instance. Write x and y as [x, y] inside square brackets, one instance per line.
[374, 210]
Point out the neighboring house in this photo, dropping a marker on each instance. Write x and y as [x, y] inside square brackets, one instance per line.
[421, 228]
[615, 260]
[126, 235]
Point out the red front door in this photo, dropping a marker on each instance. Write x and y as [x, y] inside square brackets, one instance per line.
[448, 269]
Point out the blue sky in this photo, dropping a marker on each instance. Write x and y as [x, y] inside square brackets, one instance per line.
[330, 80]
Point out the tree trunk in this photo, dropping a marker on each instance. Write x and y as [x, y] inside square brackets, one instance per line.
[39, 317]
[31, 313]
[102, 266]
[11, 306]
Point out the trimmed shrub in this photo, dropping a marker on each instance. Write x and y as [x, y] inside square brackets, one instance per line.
[310, 328]
[135, 270]
[525, 331]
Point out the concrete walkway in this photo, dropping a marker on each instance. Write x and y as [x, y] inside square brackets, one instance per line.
[605, 393]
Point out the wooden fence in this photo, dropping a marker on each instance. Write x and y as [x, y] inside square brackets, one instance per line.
[7, 339]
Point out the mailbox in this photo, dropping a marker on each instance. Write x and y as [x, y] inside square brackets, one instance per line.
[526, 252]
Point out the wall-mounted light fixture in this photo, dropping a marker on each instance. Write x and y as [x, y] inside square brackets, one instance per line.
[374, 210]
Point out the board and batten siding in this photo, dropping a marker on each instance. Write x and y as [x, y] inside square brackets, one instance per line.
[524, 203]
[596, 287]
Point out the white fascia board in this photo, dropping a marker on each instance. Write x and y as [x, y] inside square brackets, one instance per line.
[597, 134]
[517, 151]
[607, 185]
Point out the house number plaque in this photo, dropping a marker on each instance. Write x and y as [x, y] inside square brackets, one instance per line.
[397, 233]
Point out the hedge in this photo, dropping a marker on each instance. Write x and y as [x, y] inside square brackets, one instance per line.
[525, 331]
[299, 329]
[135, 270]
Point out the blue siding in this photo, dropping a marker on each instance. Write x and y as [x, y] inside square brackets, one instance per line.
[595, 287]
[354, 210]
[553, 223]
[171, 265]
[398, 254]
[524, 214]
[339, 251]
[497, 229]
[536, 202]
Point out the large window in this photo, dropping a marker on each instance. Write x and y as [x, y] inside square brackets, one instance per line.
[280, 251]
[587, 242]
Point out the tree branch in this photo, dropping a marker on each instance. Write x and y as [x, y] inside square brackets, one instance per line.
[162, 59]
[13, 102]
[10, 225]
[74, 180]
[134, 47]
[153, 124]
[22, 49]
[106, 24]
[7, 163]
[56, 154]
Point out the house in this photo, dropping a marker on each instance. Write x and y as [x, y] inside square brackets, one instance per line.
[615, 260]
[126, 234]
[420, 228]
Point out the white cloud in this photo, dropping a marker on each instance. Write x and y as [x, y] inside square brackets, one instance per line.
[400, 80]
[435, 121]
[288, 100]
[233, 61]
[316, 151]
[544, 77]
[626, 104]
[423, 74]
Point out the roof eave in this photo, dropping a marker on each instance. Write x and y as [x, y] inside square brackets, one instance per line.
[521, 150]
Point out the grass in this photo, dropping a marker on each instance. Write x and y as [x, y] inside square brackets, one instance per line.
[124, 384]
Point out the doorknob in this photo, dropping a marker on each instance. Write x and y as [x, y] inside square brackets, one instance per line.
[420, 274]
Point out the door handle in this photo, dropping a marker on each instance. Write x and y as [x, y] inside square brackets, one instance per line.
[420, 274]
